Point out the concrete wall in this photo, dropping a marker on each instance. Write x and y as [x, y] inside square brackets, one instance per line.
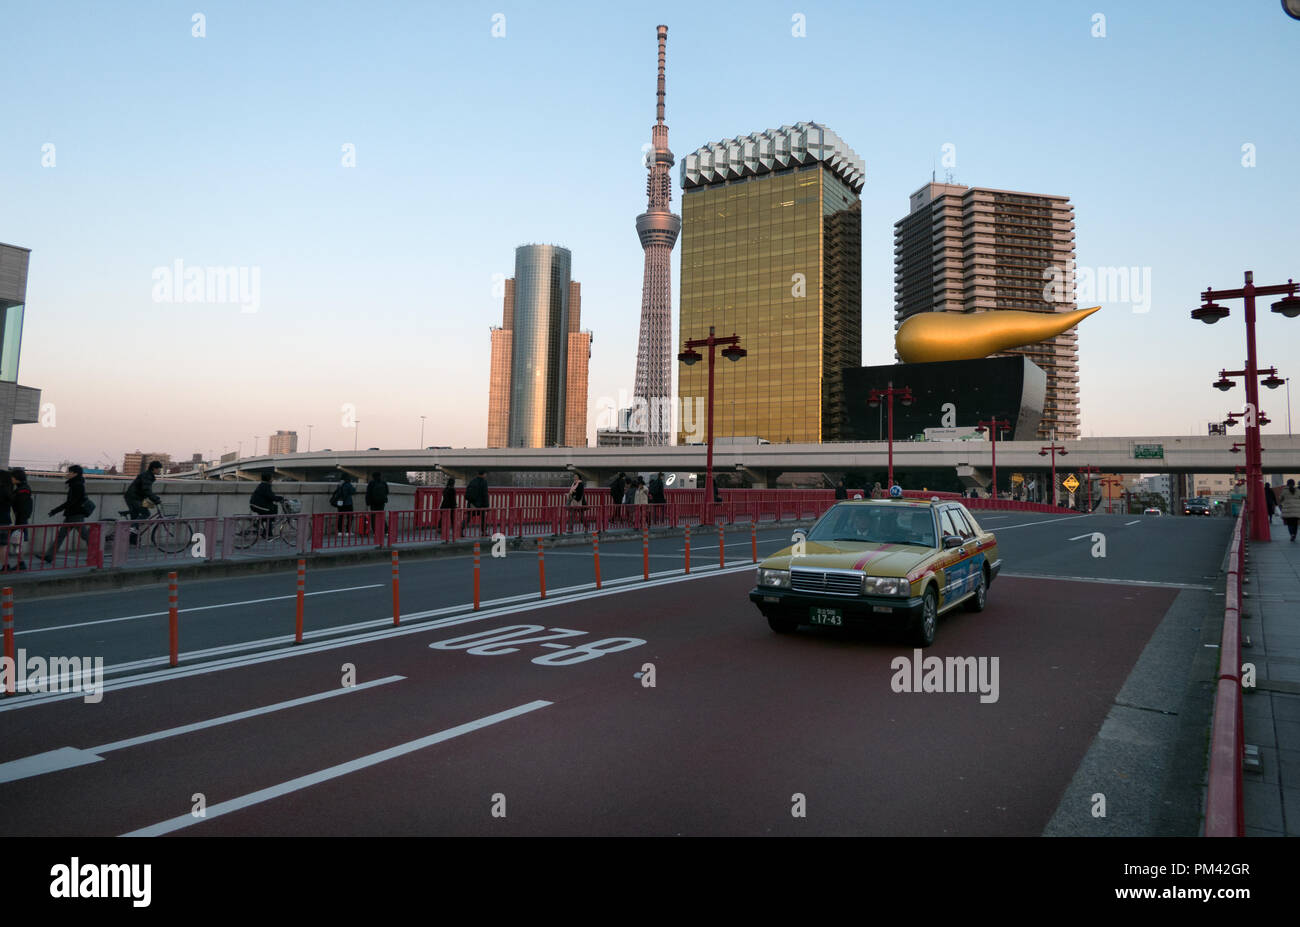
[202, 499]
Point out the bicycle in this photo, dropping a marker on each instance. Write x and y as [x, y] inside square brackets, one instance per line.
[170, 537]
[249, 529]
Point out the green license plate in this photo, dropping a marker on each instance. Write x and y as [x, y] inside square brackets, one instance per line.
[825, 616]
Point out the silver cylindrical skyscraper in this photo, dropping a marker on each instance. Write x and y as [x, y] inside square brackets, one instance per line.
[539, 353]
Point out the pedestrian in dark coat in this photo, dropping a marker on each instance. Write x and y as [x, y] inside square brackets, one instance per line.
[840, 491]
[73, 509]
[1270, 500]
[343, 502]
[476, 497]
[449, 503]
[377, 501]
[21, 502]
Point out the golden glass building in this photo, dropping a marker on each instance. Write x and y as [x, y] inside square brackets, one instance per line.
[772, 252]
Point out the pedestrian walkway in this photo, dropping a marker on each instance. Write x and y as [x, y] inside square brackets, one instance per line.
[1272, 709]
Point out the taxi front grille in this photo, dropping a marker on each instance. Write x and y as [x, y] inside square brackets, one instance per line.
[827, 582]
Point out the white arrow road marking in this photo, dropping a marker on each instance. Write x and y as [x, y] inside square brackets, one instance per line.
[68, 757]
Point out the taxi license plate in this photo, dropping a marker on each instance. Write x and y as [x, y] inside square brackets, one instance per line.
[825, 616]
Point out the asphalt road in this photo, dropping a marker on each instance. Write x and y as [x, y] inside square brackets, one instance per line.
[742, 731]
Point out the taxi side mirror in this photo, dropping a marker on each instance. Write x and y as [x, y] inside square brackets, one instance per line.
[951, 540]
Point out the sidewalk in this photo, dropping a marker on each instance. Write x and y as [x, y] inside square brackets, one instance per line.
[1272, 709]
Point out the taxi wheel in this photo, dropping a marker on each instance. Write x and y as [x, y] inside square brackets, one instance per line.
[928, 620]
[977, 602]
[782, 625]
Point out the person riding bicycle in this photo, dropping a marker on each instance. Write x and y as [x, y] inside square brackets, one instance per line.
[140, 489]
[263, 502]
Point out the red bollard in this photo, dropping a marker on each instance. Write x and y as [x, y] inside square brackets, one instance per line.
[397, 608]
[476, 576]
[753, 541]
[688, 548]
[645, 552]
[541, 568]
[173, 620]
[721, 548]
[595, 549]
[8, 611]
[297, 621]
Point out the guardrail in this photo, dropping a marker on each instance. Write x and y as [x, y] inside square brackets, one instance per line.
[179, 540]
[1224, 807]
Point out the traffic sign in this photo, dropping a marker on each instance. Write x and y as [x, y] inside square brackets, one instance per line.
[1070, 483]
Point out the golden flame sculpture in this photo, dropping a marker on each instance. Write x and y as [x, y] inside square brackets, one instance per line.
[945, 336]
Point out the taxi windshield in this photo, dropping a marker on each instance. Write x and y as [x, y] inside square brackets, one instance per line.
[876, 524]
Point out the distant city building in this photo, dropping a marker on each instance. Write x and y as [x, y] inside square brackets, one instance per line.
[134, 461]
[230, 458]
[971, 249]
[537, 388]
[282, 442]
[657, 228]
[19, 405]
[772, 252]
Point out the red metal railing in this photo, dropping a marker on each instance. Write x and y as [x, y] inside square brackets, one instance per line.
[69, 545]
[195, 539]
[1224, 807]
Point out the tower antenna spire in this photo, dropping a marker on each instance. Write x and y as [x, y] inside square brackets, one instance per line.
[657, 228]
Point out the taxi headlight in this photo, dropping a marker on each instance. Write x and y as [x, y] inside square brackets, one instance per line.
[774, 579]
[885, 585]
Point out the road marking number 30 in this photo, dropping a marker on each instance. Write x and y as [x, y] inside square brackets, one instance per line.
[500, 641]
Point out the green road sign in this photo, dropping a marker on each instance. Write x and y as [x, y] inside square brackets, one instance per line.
[1149, 451]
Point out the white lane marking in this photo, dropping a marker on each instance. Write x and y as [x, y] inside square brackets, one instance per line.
[1079, 537]
[458, 614]
[50, 761]
[1127, 523]
[241, 715]
[69, 757]
[333, 772]
[1030, 524]
[196, 608]
[1116, 582]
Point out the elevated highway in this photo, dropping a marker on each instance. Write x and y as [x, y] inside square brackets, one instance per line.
[763, 463]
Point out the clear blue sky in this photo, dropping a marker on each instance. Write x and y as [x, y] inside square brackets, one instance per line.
[376, 281]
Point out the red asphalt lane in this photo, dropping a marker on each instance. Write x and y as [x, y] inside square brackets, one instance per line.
[739, 721]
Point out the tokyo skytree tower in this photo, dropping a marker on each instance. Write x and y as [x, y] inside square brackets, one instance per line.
[658, 228]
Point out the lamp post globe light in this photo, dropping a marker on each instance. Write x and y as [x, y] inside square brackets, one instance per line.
[874, 397]
[1055, 449]
[993, 426]
[733, 352]
[1210, 312]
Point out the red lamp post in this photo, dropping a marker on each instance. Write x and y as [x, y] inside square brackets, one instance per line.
[1211, 312]
[732, 352]
[904, 395]
[1054, 448]
[1087, 475]
[993, 426]
[1111, 483]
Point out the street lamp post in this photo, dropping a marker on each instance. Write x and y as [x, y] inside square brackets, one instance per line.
[1087, 475]
[309, 428]
[993, 426]
[733, 352]
[904, 395]
[1209, 313]
[1111, 483]
[356, 433]
[255, 440]
[421, 431]
[1054, 448]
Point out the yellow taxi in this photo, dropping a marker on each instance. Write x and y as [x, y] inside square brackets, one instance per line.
[897, 563]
